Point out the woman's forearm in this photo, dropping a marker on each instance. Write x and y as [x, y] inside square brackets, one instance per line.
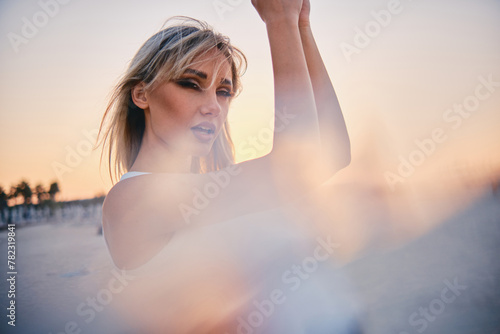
[299, 137]
[334, 137]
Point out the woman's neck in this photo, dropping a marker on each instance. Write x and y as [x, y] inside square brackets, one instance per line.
[156, 157]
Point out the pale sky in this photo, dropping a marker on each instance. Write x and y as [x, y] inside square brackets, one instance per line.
[394, 89]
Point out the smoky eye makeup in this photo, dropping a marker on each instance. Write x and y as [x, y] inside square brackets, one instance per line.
[227, 92]
[188, 83]
[192, 84]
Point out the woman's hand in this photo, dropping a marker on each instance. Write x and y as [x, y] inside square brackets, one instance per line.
[275, 10]
[304, 14]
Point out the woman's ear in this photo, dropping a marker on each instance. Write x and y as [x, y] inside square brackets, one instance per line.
[139, 96]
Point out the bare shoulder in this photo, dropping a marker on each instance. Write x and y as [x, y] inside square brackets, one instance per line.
[132, 232]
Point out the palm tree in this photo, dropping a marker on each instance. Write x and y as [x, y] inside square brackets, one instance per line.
[3, 202]
[41, 194]
[3, 197]
[12, 195]
[53, 190]
[25, 191]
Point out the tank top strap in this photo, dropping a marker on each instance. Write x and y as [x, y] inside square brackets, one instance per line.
[132, 174]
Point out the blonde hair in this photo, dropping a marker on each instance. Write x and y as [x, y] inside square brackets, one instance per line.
[163, 57]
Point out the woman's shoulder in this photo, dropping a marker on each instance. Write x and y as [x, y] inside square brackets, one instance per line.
[121, 188]
[126, 197]
[148, 197]
[133, 183]
[132, 219]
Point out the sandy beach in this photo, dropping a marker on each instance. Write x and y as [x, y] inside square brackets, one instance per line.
[59, 266]
[445, 281]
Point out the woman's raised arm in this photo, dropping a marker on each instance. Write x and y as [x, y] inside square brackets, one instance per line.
[334, 137]
[297, 145]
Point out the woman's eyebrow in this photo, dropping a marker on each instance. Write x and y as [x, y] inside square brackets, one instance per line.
[204, 76]
[226, 82]
[197, 73]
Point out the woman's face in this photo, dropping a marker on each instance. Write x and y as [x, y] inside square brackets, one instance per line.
[186, 115]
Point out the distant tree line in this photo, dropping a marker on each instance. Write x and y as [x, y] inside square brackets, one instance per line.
[45, 197]
[24, 204]
[24, 190]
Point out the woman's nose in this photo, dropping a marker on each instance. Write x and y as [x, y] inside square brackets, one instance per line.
[210, 105]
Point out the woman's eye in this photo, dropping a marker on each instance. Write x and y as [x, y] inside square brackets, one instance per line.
[225, 93]
[188, 84]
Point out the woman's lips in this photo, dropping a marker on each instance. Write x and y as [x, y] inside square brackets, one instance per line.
[204, 131]
[203, 135]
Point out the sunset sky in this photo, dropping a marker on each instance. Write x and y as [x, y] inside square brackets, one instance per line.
[396, 78]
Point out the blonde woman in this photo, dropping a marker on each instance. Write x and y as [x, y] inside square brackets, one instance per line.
[207, 240]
